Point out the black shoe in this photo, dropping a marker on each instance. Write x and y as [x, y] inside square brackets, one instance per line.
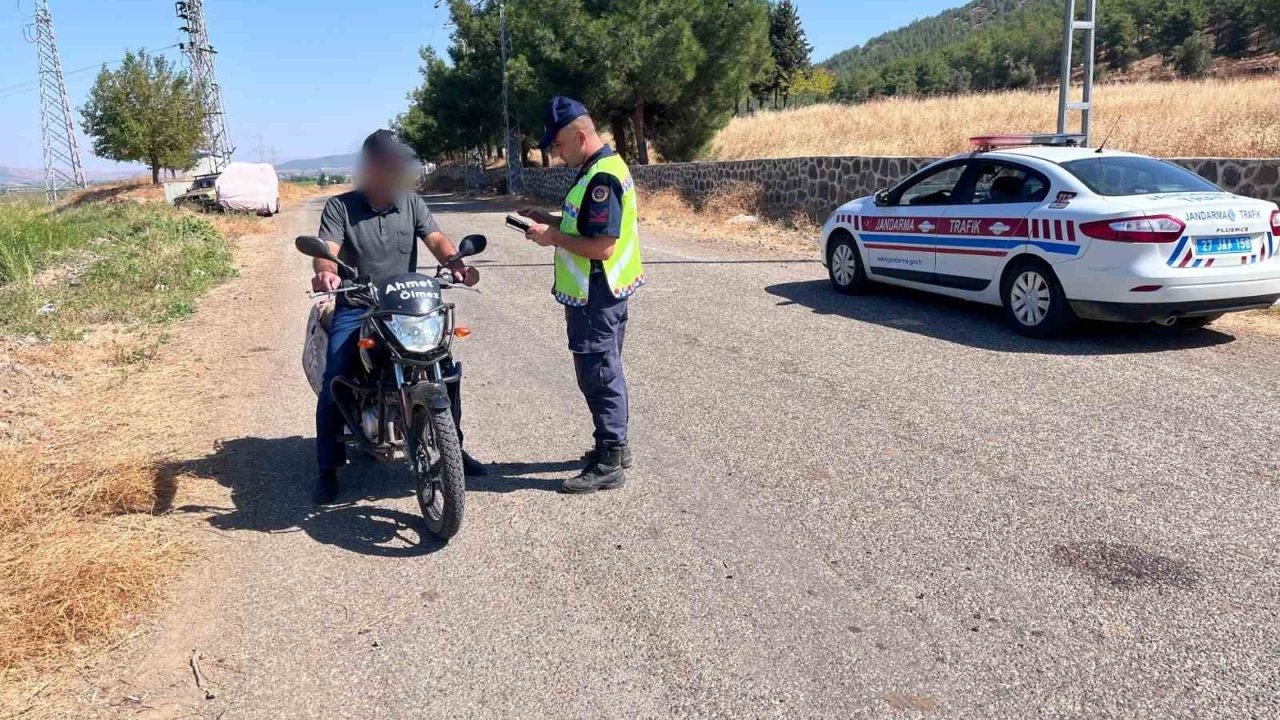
[604, 472]
[589, 457]
[325, 489]
[472, 467]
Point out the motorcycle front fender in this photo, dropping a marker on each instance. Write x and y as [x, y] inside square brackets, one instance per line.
[429, 395]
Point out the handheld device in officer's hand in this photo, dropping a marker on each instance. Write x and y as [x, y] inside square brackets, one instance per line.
[516, 223]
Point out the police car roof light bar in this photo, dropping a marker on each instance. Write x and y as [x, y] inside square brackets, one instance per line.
[992, 142]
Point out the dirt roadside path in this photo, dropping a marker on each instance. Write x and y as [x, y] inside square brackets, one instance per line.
[203, 385]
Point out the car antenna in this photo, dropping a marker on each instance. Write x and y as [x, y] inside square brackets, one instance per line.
[1109, 133]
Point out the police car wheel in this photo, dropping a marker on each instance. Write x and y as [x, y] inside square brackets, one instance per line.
[844, 265]
[1034, 304]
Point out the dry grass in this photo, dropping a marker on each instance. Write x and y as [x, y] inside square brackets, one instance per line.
[84, 541]
[1210, 118]
[79, 553]
[714, 215]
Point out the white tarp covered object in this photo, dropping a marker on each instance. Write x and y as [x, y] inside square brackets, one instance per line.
[249, 187]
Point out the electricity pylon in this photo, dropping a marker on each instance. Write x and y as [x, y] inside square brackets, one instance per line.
[61, 154]
[200, 58]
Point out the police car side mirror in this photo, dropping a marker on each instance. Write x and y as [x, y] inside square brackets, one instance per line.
[882, 198]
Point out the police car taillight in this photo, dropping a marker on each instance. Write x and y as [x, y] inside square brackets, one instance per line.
[1154, 229]
[1275, 222]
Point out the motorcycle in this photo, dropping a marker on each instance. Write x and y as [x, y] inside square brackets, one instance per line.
[398, 402]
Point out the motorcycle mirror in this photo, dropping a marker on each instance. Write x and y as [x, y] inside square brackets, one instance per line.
[472, 245]
[312, 246]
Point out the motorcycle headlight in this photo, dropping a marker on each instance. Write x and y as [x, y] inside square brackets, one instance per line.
[417, 334]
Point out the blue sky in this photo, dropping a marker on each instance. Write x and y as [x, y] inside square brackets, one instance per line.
[310, 77]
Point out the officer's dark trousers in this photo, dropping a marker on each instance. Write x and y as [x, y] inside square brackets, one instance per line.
[340, 361]
[596, 332]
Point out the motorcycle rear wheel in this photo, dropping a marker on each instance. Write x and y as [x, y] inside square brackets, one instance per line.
[439, 481]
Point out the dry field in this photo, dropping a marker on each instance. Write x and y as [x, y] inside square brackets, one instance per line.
[729, 214]
[1209, 118]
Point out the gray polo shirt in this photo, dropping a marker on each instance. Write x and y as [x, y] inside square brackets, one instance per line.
[377, 244]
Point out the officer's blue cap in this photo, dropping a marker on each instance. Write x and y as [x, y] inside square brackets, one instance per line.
[560, 112]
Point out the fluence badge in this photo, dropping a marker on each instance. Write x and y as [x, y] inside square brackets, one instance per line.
[1064, 199]
[600, 193]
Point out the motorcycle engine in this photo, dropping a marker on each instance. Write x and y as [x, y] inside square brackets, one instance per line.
[369, 423]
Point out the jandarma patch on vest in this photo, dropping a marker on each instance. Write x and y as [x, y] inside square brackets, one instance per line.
[600, 193]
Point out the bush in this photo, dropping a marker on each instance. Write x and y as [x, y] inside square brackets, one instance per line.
[1193, 56]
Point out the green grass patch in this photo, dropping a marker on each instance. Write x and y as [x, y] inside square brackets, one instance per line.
[62, 273]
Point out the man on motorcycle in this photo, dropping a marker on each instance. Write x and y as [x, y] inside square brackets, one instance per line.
[375, 229]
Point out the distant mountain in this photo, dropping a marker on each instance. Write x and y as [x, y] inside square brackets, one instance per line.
[329, 163]
[20, 176]
[31, 176]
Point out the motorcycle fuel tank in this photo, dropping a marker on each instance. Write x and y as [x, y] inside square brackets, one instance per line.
[408, 294]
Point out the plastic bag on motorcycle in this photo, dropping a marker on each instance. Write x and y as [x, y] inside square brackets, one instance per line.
[315, 345]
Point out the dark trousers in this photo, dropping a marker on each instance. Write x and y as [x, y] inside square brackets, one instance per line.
[596, 332]
[340, 361]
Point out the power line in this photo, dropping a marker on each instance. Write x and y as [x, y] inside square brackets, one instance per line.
[28, 86]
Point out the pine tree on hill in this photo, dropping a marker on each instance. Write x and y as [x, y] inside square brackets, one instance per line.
[790, 49]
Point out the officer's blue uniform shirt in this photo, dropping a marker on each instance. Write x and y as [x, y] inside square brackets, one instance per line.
[601, 212]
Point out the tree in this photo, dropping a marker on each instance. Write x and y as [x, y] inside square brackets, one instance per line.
[323, 179]
[1119, 36]
[789, 46]
[1177, 21]
[145, 111]
[818, 83]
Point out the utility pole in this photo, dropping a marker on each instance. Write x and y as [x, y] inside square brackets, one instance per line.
[1070, 25]
[61, 154]
[200, 58]
[514, 156]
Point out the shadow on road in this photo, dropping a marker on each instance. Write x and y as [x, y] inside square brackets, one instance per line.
[511, 477]
[982, 326]
[449, 202]
[270, 481]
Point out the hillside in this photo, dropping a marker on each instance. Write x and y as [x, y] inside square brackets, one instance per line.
[1012, 44]
[330, 163]
[1205, 118]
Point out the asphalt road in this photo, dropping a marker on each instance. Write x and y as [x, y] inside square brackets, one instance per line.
[886, 506]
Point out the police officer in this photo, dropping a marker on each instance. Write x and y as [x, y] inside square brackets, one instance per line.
[597, 267]
[375, 229]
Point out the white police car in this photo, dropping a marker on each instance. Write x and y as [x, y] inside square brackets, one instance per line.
[1053, 231]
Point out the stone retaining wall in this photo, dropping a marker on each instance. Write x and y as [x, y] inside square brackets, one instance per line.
[817, 185]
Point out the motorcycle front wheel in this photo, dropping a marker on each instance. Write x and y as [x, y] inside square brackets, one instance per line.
[439, 481]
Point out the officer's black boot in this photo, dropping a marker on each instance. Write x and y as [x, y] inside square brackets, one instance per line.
[325, 489]
[472, 467]
[603, 472]
[589, 457]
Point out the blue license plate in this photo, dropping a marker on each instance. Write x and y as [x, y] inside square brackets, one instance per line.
[1224, 245]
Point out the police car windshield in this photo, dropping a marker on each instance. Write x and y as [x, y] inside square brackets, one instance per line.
[1135, 176]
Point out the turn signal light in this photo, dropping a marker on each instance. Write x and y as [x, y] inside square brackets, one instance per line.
[1153, 229]
[461, 331]
[366, 343]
